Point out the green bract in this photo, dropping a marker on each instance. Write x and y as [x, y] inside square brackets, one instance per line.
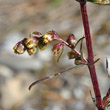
[100, 2]
[72, 55]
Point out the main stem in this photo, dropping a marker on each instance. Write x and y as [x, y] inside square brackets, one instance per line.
[90, 57]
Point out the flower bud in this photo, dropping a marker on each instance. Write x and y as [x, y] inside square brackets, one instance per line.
[32, 51]
[36, 34]
[57, 49]
[19, 48]
[72, 55]
[71, 40]
[48, 37]
[41, 45]
[31, 42]
[79, 61]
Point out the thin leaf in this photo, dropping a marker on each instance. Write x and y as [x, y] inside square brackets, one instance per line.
[79, 41]
[52, 76]
[93, 62]
[60, 55]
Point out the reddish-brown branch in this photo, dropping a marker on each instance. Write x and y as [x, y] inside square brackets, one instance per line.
[90, 57]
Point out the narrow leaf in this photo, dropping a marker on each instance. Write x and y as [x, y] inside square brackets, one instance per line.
[79, 41]
[60, 55]
[94, 62]
[52, 76]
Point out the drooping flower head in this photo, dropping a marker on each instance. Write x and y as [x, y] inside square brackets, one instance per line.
[72, 55]
[48, 37]
[71, 40]
[36, 34]
[19, 48]
[31, 42]
[41, 44]
[31, 51]
[57, 49]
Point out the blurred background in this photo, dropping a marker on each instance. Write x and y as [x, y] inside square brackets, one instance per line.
[70, 91]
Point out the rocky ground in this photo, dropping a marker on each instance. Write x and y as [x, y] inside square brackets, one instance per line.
[70, 91]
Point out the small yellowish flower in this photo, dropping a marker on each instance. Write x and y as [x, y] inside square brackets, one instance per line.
[31, 42]
[48, 37]
[19, 48]
[32, 51]
[41, 45]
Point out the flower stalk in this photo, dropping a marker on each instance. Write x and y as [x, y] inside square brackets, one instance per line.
[90, 59]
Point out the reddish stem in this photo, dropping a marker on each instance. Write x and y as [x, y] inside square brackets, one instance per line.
[90, 56]
[77, 52]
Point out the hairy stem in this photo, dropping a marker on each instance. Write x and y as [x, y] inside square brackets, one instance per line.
[92, 70]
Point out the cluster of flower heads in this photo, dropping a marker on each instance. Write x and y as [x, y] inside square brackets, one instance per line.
[38, 41]
[35, 41]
